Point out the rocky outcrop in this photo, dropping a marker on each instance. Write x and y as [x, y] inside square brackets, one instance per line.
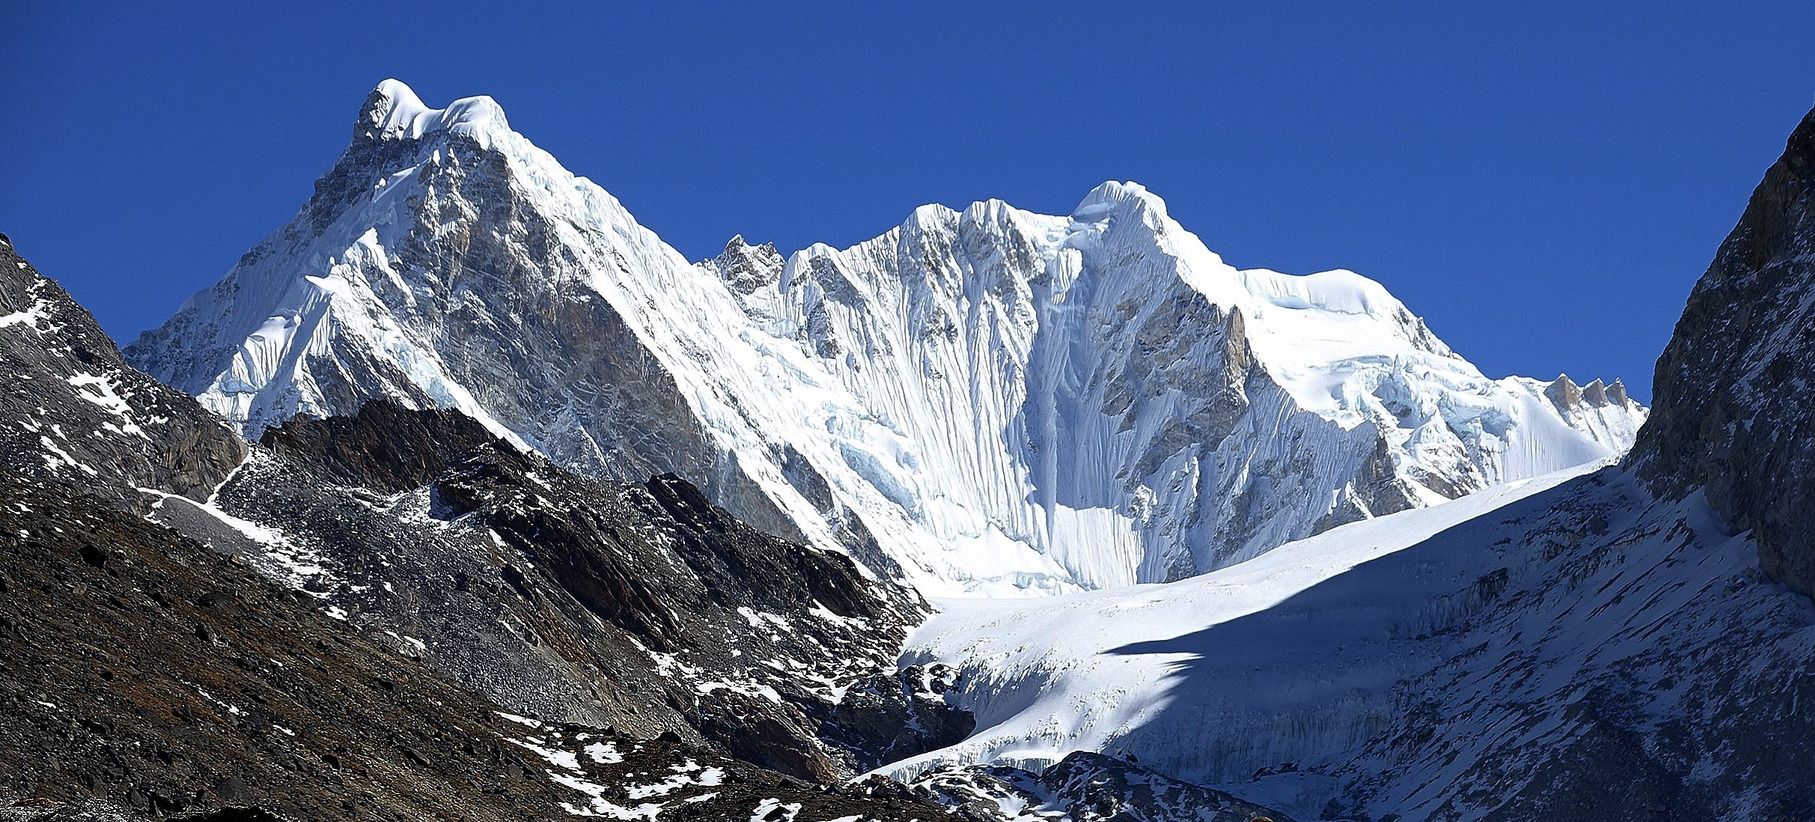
[747, 268]
[1732, 387]
[145, 676]
[1571, 399]
[1087, 787]
[1563, 393]
[78, 413]
[641, 607]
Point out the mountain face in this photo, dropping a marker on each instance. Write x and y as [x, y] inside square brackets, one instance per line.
[145, 676]
[988, 401]
[1628, 642]
[1087, 787]
[81, 415]
[642, 608]
[1735, 374]
[149, 674]
[1151, 411]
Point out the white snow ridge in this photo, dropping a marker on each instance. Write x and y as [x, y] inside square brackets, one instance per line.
[986, 402]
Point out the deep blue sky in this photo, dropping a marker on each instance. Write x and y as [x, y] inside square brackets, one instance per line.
[1542, 184]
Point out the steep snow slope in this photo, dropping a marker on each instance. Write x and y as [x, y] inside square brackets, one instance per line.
[988, 401]
[1587, 650]
[1092, 671]
[1105, 389]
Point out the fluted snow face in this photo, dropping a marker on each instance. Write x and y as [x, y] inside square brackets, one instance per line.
[1103, 388]
[986, 402]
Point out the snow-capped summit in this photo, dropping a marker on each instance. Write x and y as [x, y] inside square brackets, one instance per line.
[1146, 410]
[393, 111]
[987, 400]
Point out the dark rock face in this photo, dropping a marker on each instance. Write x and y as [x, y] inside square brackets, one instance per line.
[1087, 787]
[143, 675]
[1732, 405]
[148, 674]
[644, 608]
[894, 715]
[384, 448]
[82, 415]
[747, 267]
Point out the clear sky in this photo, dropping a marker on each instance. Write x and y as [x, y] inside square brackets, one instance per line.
[1543, 183]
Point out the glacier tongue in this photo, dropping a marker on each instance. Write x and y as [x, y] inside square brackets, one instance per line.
[985, 402]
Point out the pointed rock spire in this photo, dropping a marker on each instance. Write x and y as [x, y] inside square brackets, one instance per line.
[747, 267]
[1564, 393]
[1595, 393]
[1616, 393]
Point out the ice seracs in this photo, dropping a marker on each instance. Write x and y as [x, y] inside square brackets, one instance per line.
[985, 401]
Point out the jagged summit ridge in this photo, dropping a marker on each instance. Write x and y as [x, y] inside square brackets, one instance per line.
[1128, 344]
[985, 400]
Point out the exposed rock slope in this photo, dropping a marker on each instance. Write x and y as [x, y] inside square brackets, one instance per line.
[1087, 787]
[78, 413]
[143, 670]
[145, 674]
[1736, 377]
[642, 607]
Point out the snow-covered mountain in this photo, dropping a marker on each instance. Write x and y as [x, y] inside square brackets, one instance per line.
[1631, 642]
[986, 401]
[1103, 388]
[1504, 656]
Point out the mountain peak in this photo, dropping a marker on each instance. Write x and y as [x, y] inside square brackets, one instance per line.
[393, 112]
[1112, 196]
[1564, 392]
[746, 267]
[922, 399]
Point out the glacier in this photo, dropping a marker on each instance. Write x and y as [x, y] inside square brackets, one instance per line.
[1092, 671]
[983, 402]
[1453, 662]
